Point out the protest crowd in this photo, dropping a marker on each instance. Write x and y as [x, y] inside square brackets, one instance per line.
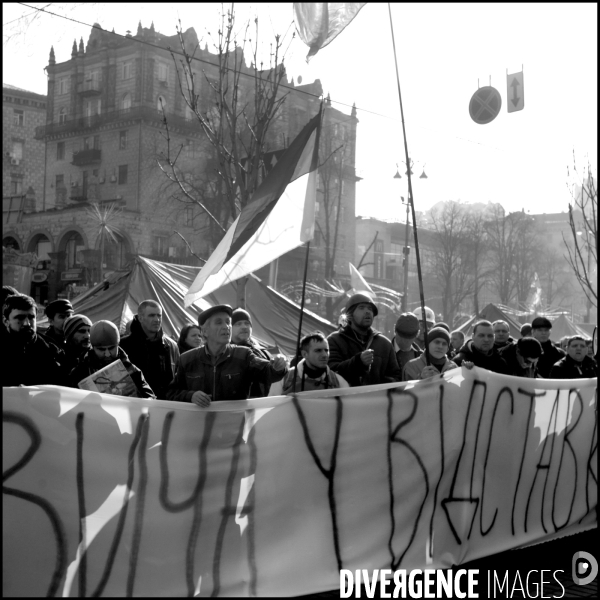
[218, 359]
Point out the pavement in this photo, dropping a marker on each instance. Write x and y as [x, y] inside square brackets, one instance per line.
[555, 556]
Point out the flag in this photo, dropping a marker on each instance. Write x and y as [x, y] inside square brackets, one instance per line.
[358, 282]
[279, 217]
[319, 23]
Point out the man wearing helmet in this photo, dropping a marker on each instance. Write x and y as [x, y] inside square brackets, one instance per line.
[359, 353]
[429, 320]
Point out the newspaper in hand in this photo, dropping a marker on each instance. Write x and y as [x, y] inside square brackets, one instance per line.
[112, 379]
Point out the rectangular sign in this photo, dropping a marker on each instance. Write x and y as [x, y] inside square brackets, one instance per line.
[110, 496]
[515, 92]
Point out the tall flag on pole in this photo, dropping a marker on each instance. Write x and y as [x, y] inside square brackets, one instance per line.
[358, 282]
[279, 217]
[319, 23]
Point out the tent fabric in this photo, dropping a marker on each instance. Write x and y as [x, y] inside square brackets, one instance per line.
[274, 317]
[493, 313]
[564, 326]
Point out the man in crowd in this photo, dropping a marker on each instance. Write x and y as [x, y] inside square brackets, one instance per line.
[522, 357]
[28, 358]
[407, 329]
[502, 337]
[429, 320]
[457, 339]
[540, 330]
[438, 340]
[359, 353]
[312, 372]
[241, 335]
[480, 350]
[57, 312]
[149, 349]
[104, 338]
[218, 370]
[77, 340]
[576, 364]
[526, 330]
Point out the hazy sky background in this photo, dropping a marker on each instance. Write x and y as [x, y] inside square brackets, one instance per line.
[444, 51]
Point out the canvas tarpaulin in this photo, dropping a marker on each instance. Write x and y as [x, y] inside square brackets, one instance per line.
[563, 326]
[118, 496]
[492, 313]
[274, 317]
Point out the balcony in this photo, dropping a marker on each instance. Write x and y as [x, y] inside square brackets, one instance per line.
[91, 87]
[86, 157]
[145, 113]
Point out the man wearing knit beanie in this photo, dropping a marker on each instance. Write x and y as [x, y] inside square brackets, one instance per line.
[77, 339]
[105, 338]
[241, 335]
[438, 342]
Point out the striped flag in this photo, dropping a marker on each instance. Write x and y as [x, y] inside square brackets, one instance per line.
[279, 217]
[319, 23]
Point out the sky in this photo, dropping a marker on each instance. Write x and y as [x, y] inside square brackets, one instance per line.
[445, 53]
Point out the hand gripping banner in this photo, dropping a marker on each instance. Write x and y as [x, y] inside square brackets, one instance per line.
[112, 496]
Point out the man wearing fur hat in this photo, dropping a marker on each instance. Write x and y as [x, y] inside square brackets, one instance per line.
[77, 340]
[359, 353]
[104, 339]
[241, 335]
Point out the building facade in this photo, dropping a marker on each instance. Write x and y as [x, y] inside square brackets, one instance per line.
[103, 133]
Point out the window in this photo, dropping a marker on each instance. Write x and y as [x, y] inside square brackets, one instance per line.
[18, 118]
[64, 85]
[73, 251]
[161, 104]
[96, 142]
[93, 107]
[42, 247]
[122, 174]
[93, 77]
[159, 243]
[126, 101]
[127, 69]
[60, 181]
[122, 140]
[17, 150]
[86, 143]
[62, 115]
[16, 187]
[60, 151]
[163, 72]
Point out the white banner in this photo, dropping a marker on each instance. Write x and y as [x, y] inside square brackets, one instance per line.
[112, 496]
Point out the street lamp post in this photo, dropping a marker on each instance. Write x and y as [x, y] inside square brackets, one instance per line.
[406, 247]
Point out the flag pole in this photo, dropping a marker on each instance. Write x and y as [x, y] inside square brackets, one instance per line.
[410, 198]
[297, 356]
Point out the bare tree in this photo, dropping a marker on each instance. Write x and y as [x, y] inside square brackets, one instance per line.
[583, 253]
[528, 251]
[556, 280]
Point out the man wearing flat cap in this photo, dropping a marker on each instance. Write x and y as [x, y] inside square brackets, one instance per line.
[104, 339]
[241, 335]
[407, 330]
[359, 353]
[540, 330]
[57, 312]
[220, 370]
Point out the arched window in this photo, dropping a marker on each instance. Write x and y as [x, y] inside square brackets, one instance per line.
[10, 242]
[73, 249]
[161, 104]
[41, 245]
[62, 115]
[115, 254]
[126, 101]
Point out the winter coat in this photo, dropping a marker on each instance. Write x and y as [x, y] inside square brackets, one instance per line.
[412, 369]
[304, 383]
[90, 363]
[568, 368]
[258, 389]
[229, 379]
[549, 358]
[344, 358]
[155, 358]
[33, 361]
[501, 346]
[416, 352]
[50, 335]
[509, 354]
[492, 361]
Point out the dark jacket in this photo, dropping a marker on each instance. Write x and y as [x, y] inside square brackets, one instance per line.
[492, 361]
[568, 368]
[30, 361]
[90, 363]
[501, 346]
[509, 354]
[549, 358]
[345, 349]
[155, 358]
[259, 389]
[229, 379]
[50, 335]
[73, 355]
[416, 352]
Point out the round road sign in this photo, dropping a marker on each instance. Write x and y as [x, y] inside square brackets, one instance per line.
[485, 105]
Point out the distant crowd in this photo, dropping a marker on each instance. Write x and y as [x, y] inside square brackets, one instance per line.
[218, 358]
